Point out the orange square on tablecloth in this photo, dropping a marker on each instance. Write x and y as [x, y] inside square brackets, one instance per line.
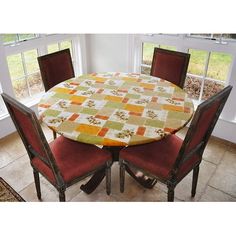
[111, 142]
[113, 98]
[134, 108]
[98, 79]
[148, 86]
[88, 129]
[78, 99]
[172, 108]
[62, 90]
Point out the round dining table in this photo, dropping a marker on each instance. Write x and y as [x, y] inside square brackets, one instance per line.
[115, 110]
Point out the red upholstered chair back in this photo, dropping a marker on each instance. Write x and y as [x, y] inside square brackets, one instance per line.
[31, 133]
[56, 68]
[201, 127]
[170, 65]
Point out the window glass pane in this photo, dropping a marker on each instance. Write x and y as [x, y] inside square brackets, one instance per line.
[201, 35]
[31, 62]
[145, 70]
[219, 64]
[168, 47]
[13, 38]
[35, 84]
[15, 66]
[26, 36]
[210, 88]
[66, 44]
[197, 62]
[53, 48]
[9, 38]
[193, 86]
[148, 49]
[20, 88]
[229, 36]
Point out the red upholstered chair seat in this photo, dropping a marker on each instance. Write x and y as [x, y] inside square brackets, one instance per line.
[73, 159]
[158, 158]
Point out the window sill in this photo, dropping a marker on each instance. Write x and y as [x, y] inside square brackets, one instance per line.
[27, 102]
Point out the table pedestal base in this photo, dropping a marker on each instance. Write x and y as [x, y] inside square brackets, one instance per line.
[97, 178]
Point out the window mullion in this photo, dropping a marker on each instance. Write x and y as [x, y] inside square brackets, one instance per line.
[204, 75]
[25, 72]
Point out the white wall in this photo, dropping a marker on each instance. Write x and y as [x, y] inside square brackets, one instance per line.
[107, 52]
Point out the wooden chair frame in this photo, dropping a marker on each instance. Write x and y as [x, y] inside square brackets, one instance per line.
[183, 155]
[186, 56]
[49, 159]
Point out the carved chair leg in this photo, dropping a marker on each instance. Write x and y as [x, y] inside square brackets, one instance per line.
[171, 193]
[54, 134]
[108, 179]
[122, 176]
[37, 183]
[62, 197]
[194, 181]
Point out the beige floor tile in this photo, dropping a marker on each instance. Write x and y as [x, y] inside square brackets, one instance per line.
[214, 151]
[13, 145]
[228, 163]
[224, 181]
[214, 195]
[183, 189]
[48, 192]
[5, 158]
[19, 174]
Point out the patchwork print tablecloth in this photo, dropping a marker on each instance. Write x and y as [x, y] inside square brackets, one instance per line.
[115, 109]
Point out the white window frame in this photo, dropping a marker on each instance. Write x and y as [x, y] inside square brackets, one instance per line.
[182, 42]
[40, 44]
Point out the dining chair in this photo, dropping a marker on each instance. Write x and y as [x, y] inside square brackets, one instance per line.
[171, 159]
[170, 65]
[63, 162]
[55, 68]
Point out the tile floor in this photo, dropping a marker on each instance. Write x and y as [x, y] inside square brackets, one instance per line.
[217, 177]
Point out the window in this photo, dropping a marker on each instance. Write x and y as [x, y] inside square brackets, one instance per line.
[60, 46]
[147, 54]
[208, 69]
[207, 73]
[22, 52]
[25, 75]
[15, 38]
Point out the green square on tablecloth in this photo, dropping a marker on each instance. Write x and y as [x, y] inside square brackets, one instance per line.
[136, 120]
[67, 126]
[91, 139]
[62, 96]
[82, 88]
[113, 125]
[134, 96]
[89, 111]
[178, 115]
[51, 112]
[98, 96]
[154, 123]
[118, 105]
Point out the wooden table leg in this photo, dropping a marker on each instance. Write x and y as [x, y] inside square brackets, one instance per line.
[93, 183]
